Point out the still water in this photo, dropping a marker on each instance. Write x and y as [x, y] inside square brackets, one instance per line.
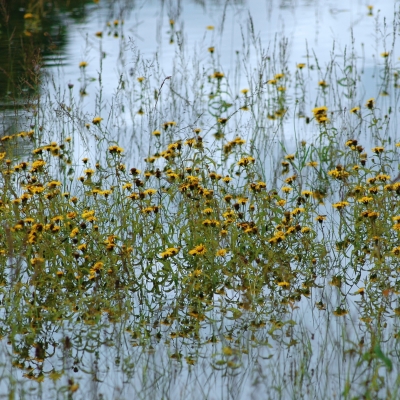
[137, 39]
[139, 64]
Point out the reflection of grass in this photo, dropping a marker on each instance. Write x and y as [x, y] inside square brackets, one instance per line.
[31, 31]
[85, 250]
[200, 258]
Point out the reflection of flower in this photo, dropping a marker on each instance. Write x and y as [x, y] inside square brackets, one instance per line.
[339, 312]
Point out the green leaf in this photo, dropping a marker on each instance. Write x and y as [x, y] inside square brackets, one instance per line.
[378, 352]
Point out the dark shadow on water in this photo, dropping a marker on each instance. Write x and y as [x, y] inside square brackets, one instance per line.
[32, 34]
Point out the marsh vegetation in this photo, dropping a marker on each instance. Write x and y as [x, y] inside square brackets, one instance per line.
[193, 230]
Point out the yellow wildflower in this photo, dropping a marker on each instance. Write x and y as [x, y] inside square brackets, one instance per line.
[306, 193]
[396, 251]
[87, 214]
[170, 252]
[340, 205]
[74, 232]
[150, 192]
[115, 149]
[97, 120]
[378, 149]
[320, 114]
[221, 252]
[218, 75]
[53, 184]
[246, 161]
[365, 200]
[370, 103]
[198, 250]
[354, 110]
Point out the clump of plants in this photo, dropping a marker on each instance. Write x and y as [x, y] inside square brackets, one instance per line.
[223, 248]
[187, 242]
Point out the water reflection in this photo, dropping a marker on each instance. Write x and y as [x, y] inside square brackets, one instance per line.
[155, 313]
[34, 36]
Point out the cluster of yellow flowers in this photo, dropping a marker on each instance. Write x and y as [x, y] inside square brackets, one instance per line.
[321, 114]
[170, 252]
